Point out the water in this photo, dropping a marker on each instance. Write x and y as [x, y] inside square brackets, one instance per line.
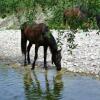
[23, 84]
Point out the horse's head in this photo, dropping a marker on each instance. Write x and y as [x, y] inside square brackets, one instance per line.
[56, 58]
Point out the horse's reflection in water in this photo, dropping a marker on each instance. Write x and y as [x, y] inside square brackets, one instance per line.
[43, 88]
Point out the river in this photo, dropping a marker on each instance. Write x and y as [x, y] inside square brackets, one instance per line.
[21, 83]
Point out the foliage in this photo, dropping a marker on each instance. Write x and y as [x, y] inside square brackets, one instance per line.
[56, 6]
[29, 8]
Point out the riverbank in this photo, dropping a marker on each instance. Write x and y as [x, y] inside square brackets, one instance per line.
[85, 58]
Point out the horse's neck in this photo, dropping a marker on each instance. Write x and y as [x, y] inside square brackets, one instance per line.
[86, 11]
[53, 44]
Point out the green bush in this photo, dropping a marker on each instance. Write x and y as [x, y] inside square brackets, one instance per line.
[28, 8]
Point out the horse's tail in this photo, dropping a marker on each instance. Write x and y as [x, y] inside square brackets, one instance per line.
[64, 19]
[23, 42]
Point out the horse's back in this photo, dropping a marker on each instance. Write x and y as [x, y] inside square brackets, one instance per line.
[75, 12]
[72, 12]
[41, 27]
[34, 32]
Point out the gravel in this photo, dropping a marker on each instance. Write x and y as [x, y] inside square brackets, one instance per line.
[85, 58]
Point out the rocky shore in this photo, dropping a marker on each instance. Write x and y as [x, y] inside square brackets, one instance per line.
[85, 58]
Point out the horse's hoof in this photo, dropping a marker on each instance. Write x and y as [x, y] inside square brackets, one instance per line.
[58, 69]
[29, 63]
[25, 64]
[32, 68]
[46, 68]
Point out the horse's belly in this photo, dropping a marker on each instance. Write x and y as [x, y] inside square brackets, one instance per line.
[40, 41]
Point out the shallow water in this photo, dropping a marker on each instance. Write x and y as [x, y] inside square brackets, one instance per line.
[19, 83]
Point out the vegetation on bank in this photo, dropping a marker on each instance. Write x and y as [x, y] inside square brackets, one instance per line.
[52, 10]
[29, 8]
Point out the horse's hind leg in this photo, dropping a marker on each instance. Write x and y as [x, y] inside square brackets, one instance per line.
[36, 55]
[45, 56]
[28, 52]
[23, 46]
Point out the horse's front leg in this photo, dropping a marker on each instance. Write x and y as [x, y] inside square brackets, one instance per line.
[45, 56]
[25, 62]
[24, 52]
[36, 55]
[28, 52]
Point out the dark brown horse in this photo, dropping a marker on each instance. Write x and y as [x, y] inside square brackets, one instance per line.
[75, 17]
[39, 35]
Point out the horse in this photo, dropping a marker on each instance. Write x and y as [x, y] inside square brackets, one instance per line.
[40, 35]
[75, 16]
